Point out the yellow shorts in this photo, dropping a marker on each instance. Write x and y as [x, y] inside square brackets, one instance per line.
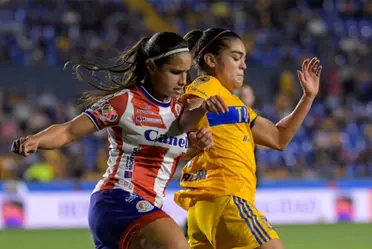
[227, 222]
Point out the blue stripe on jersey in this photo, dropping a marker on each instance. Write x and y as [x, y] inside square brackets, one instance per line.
[153, 99]
[236, 114]
[94, 120]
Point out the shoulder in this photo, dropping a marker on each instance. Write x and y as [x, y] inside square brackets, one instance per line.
[113, 105]
[204, 87]
[206, 80]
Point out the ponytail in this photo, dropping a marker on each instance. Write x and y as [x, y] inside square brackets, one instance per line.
[128, 71]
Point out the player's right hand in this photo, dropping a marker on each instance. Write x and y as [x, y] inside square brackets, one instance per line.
[215, 104]
[25, 145]
[201, 139]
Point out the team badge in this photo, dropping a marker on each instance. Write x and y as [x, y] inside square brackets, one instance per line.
[202, 80]
[144, 206]
[108, 113]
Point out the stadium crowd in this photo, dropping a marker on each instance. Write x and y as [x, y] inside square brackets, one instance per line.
[334, 142]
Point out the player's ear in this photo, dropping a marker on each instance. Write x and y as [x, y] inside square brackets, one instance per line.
[210, 60]
[151, 67]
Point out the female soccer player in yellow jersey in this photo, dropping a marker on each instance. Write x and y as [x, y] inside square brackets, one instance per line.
[219, 185]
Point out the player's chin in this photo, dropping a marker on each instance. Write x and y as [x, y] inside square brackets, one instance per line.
[238, 83]
[177, 94]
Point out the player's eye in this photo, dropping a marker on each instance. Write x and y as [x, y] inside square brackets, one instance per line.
[177, 72]
[236, 59]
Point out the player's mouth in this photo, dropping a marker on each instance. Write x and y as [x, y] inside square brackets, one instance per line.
[178, 90]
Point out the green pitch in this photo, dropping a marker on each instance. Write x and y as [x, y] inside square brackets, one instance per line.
[340, 236]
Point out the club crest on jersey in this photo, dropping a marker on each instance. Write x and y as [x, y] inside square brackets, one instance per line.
[108, 113]
[154, 136]
[202, 80]
[144, 206]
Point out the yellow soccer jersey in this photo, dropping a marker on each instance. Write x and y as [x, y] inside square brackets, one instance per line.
[228, 167]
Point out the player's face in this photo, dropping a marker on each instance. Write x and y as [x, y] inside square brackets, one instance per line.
[230, 64]
[170, 79]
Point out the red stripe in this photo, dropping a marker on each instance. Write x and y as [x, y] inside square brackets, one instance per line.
[118, 136]
[146, 166]
[119, 103]
[174, 167]
[142, 108]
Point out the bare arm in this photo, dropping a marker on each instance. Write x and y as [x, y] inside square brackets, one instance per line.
[279, 136]
[54, 137]
[59, 135]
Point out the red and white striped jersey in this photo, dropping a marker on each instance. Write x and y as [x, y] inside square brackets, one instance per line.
[144, 152]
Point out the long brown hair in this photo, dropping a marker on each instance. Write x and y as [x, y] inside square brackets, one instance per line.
[212, 41]
[128, 70]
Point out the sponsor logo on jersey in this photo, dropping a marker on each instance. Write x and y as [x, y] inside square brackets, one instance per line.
[144, 116]
[193, 177]
[149, 120]
[131, 197]
[147, 112]
[130, 160]
[144, 206]
[154, 136]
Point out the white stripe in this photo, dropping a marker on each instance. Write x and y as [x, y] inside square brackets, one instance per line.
[162, 178]
[98, 186]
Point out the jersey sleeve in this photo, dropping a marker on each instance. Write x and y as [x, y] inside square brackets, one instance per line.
[203, 87]
[108, 111]
[252, 117]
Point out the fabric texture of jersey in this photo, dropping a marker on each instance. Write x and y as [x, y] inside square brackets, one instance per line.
[145, 146]
[227, 222]
[115, 216]
[228, 167]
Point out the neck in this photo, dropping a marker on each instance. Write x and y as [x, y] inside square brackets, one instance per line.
[150, 89]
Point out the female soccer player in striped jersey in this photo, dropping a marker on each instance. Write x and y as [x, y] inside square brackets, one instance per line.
[147, 140]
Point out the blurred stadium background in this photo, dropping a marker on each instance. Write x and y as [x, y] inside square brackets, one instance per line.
[317, 193]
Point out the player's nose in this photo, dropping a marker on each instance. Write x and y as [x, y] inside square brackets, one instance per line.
[183, 79]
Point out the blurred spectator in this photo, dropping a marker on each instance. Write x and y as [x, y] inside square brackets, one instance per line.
[335, 140]
[246, 94]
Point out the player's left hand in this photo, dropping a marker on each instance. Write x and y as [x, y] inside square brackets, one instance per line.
[310, 76]
[201, 139]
